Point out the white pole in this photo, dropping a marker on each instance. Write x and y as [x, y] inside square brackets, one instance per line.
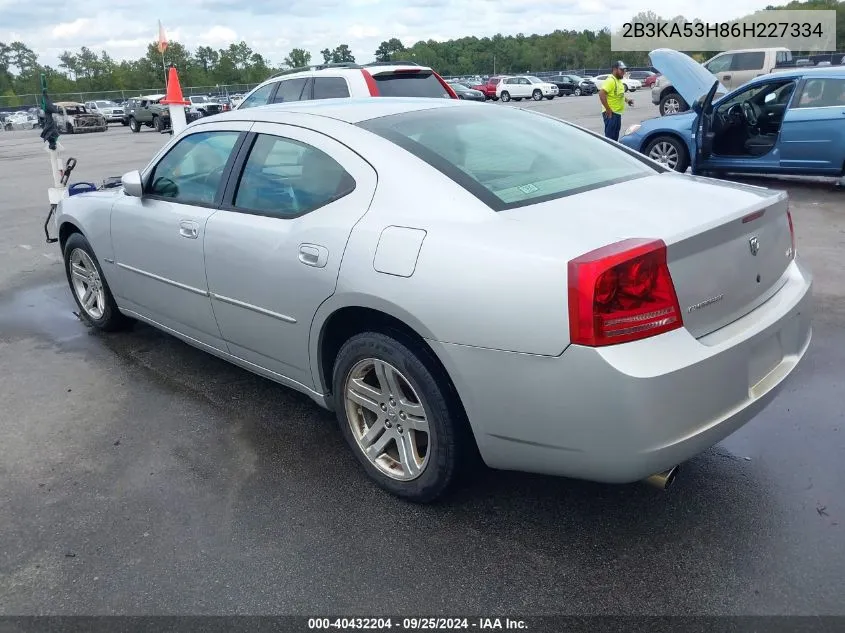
[178, 122]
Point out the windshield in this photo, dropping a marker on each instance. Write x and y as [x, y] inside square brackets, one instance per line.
[576, 78]
[507, 157]
[105, 104]
[199, 99]
[535, 80]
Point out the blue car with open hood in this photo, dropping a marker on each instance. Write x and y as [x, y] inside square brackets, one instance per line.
[788, 122]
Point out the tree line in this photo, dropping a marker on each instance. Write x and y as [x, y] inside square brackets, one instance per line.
[88, 71]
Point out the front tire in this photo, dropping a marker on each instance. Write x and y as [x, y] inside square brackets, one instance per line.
[68, 128]
[669, 151]
[505, 96]
[88, 285]
[550, 98]
[397, 414]
[157, 124]
[134, 125]
[537, 95]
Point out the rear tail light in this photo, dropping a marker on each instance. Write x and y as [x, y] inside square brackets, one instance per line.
[620, 293]
[371, 83]
[791, 233]
[452, 94]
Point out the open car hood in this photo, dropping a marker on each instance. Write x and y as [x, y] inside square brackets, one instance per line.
[690, 79]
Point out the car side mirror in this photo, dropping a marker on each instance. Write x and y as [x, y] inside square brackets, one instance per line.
[132, 184]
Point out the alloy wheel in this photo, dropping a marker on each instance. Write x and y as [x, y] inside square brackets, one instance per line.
[388, 419]
[671, 106]
[87, 284]
[665, 153]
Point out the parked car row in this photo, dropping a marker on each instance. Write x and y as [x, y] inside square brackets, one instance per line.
[516, 88]
[20, 120]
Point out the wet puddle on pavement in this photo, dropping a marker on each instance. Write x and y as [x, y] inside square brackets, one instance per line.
[45, 311]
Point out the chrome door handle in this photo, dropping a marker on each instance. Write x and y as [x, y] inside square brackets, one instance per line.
[189, 229]
[313, 255]
[726, 77]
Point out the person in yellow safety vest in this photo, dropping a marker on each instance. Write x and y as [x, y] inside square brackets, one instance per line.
[612, 97]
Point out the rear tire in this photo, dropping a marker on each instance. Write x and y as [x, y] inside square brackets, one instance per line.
[134, 125]
[395, 375]
[550, 98]
[89, 288]
[505, 96]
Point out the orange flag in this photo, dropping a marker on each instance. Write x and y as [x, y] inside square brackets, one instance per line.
[162, 39]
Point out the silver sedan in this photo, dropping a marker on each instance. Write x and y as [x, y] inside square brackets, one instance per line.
[448, 281]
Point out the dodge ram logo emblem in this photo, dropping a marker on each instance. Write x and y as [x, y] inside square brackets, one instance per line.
[754, 244]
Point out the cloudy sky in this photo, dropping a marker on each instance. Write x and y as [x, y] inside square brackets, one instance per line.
[273, 27]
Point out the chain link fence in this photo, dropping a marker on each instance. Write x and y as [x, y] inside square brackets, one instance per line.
[23, 102]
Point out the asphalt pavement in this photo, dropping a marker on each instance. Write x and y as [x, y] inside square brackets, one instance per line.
[141, 476]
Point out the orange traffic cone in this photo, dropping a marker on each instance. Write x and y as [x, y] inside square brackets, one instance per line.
[174, 90]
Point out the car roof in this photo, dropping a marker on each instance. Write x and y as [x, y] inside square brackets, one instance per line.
[835, 72]
[344, 69]
[68, 103]
[352, 110]
[150, 97]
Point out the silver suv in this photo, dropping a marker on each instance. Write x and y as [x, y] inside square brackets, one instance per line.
[337, 81]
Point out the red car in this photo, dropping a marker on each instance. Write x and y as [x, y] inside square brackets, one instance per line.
[489, 86]
[649, 81]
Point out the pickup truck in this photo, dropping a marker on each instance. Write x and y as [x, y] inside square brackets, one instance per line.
[148, 111]
[737, 67]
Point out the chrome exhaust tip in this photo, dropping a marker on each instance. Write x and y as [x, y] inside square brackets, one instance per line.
[662, 480]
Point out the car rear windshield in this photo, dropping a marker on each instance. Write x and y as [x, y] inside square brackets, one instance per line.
[507, 157]
[410, 84]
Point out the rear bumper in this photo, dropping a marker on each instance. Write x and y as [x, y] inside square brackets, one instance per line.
[655, 95]
[619, 413]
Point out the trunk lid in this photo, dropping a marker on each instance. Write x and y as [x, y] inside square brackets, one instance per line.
[728, 245]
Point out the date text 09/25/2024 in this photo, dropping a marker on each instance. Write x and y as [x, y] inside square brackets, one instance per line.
[417, 624]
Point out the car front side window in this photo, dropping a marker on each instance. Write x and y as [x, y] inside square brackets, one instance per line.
[191, 172]
[286, 178]
[820, 93]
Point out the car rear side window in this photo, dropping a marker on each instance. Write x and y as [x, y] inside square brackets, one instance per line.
[191, 171]
[410, 84]
[258, 98]
[822, 93]
[510, 158]
[330, 88]
[748, 61]
[289, 90]
[286, 178]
